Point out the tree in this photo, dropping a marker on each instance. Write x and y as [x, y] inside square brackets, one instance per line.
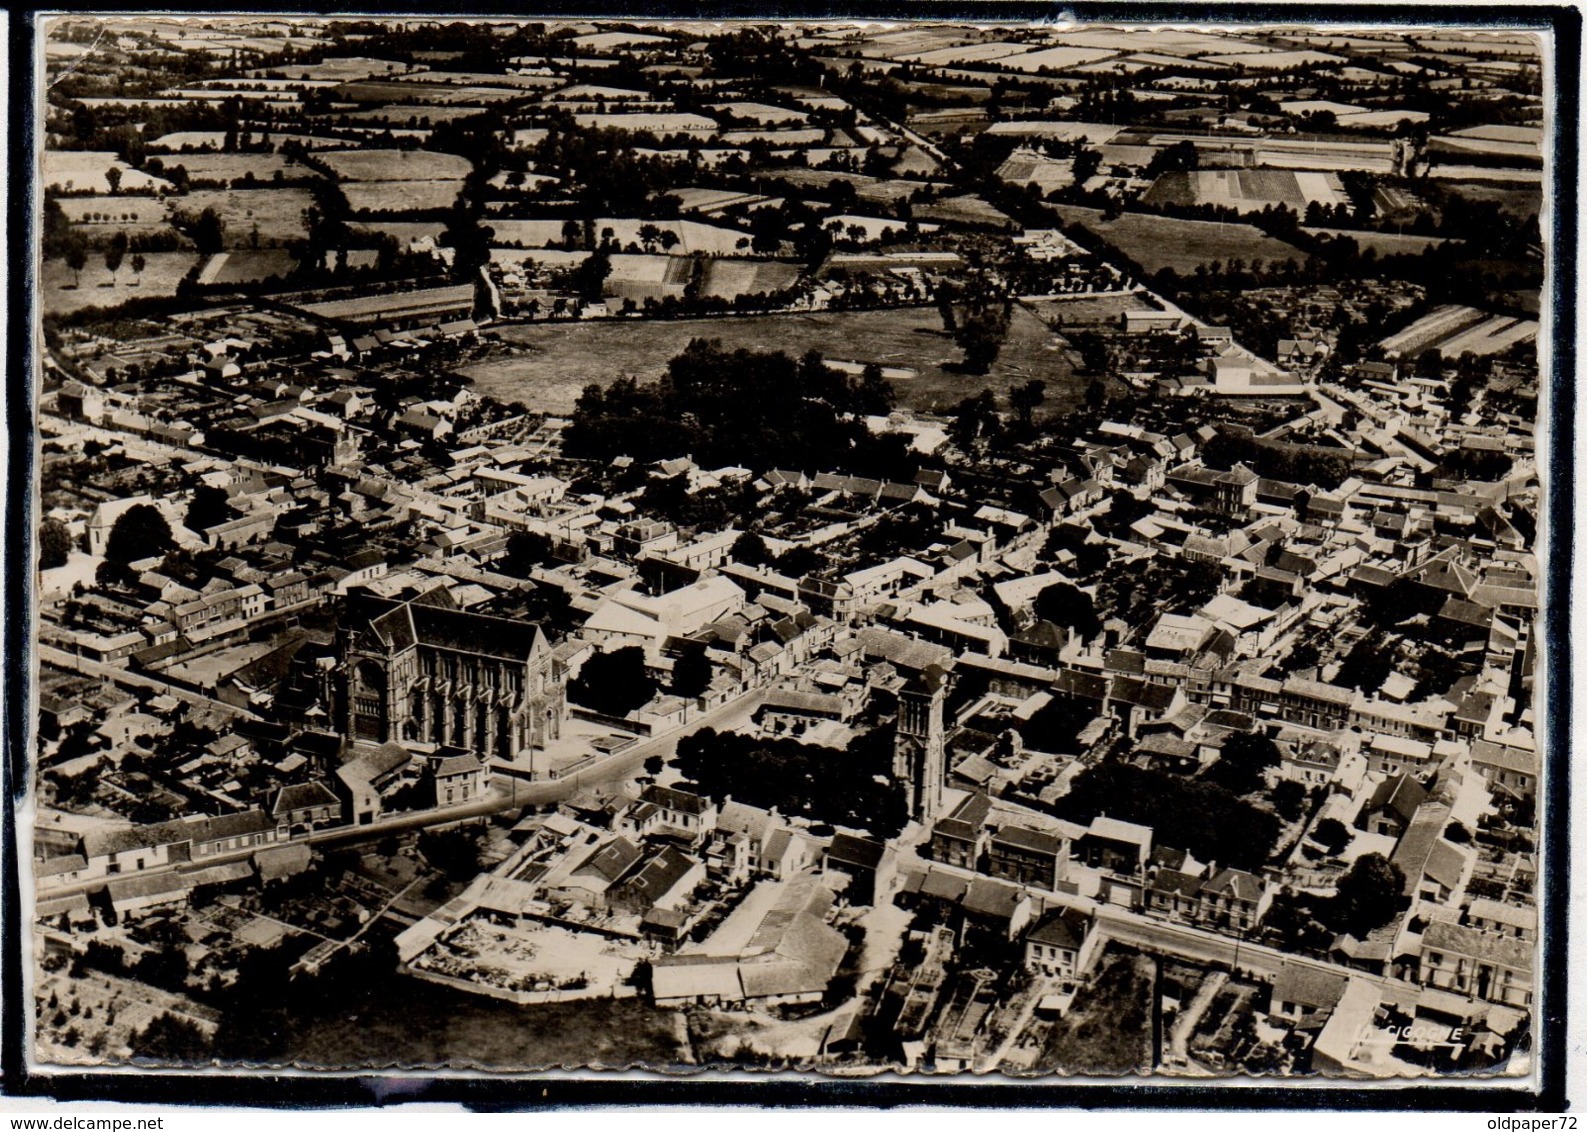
[55, 544]
[1096, 395]
[1289, 799]
[208, 508]
[113, 179]
[171, 1039]
[77, 259]
[141, 532]
[589, 278]
[1241, 764]
[208, 232]
[981, 333]
[751, 550]
[1332, 835]
[1068, 605]
[691, 674]
[614, 683]
[138, 264]
[115, 253]
[1368, 895]
[1025, 399]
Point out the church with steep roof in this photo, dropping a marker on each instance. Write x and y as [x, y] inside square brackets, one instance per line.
[425, 671]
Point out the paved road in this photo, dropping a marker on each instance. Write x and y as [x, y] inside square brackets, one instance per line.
[612, 769]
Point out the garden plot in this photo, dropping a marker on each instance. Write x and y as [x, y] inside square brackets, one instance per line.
[400, 196]
[274, 215]
[1492, 336]
[395, 165]
[86, 171]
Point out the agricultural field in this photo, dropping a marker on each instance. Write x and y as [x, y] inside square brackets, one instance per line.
[729, 278]
[85, 171]
[341, 70]
[229, 268]
[995, 51]
[102, 210]
[1384, 243]
[395, 165]
[1055, 58]
[1514, 199]
[229, 167]
[61, 293]
[275, 214]
[1156, 242]
[1456, 330]
[1247, 190]
[552, 362]
[400, 196]
[963, 210]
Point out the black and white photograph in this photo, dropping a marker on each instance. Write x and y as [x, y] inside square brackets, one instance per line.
[999, 551]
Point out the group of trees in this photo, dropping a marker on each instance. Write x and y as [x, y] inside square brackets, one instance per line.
[614, 683]
[1208, 820]
[751, 408]
[852, 787]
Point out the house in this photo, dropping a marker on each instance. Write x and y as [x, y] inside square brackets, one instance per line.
[362, 781]
[1502, 919]
[1060, 945]
[232, 833]
[961, 838]
[1027, 856]
[1392, 806]
[666, 879]
[304, 806]
[589, 881]
[1174, 894]
[1470, 962]
[1233, 900]
[1301, 990]
[677, 812]
[457, 775]
[1511, 769]
[869, 864]
[135, 896]
[114, 850]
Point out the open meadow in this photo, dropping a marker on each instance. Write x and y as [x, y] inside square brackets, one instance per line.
[60, 292]
[549, 363]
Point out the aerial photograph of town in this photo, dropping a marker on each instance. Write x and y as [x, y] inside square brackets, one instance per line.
[814, 547]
